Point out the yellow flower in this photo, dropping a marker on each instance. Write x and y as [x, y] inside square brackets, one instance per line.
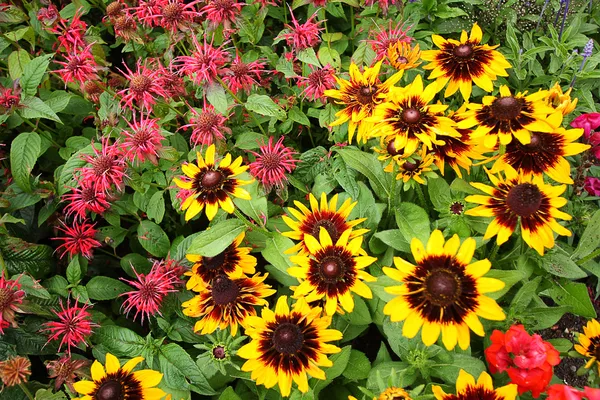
[468, 389]
[402, 56]
[408, 170]
[392, 393]
[211, 184]
[589, 343]
[561, 101]
[443, 293]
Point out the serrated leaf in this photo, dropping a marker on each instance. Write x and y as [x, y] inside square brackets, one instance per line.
[216, 239]
[156, 207]
[573, 294]
[153, 239]
[20, 256]
[17, 60]
[34, 107]
[24, 152]
[368, 165]
[105, 288]
[215, 94]
[346, 177]
[121, 342]
[250, 140]
[181, 361]
[298, 116]
[66, 179]
[264, 105]
[590, 239]
[274, 253]
[308, 56]
[33, 73]
[413, 222]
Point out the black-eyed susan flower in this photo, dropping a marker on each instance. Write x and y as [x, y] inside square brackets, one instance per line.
[561, 101]
[234, 261]
[115, 382]
[521, 198]
[545, 154]
[332, 271]
[501, 118]
[407, 116]
[391, 393]
[413, 168]
[443, 292]
[403, 56]
[360, 95]
[288, 345]
[462, 63]
[589, 343]
[324, 214]
[211, 184]
[225, 303]
[483, 389]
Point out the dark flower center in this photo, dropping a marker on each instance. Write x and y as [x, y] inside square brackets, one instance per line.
[410, 167]
[215, 262]
[172, 12]
[534, 145]
[402, 60]
[224, 290]
[442, 287]
[463, 52]
[524, 199]
[239, 69]
[219, 352]
[124, 23]
[457, 208]
[332, 269]
[207, 120]
[102, 164]
[391, 148]
[329, 227]
[288, 338]
[5, 298]
[140, 83]
[365, 94]
[211, 179]
[114, 9]
[507, 108]
[110, 390]
[75, 64]
[271, 161]
[411, 115]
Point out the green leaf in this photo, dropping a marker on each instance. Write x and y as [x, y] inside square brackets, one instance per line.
[346, 177]
[590, 240]
[34, 107]
[66, 179]
[156, 207]
[121, 342]
[557, 262]
[543, 317]
[135, 261]
[215, 240]
[47, 394]
[308, 56]
[24, 152]
[394, 238]
[368, 165]
[181, 363]
[17, 60]
[413, 222]
[255, 208]
[286, 67]
[523, 297]
[250, 140]
[112, 235]
[33, 73]
[74, 271]
[298, 116]
[153, 239]
[573, 294]
[216, 96]
[359, 366]
[20, 256]
[274, 253]
[340, 362]
[229, 394]
[439, 193]
[105, 288]
[31, 287]
[264, 105]
[449, 372]
[330, 56]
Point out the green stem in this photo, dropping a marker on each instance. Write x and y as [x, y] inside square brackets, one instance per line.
[421, 196]
[237, 99]
[108, 253]
[2, 266]
[589, 257]
[352, 27]
[494, 251]
[26, 391]
[248, 223]
[392, 196]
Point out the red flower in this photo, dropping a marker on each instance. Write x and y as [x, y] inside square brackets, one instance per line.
[591, 394]
[302, 36]
[592, 185]
[383, 4]
[317, 82]
[535, 380]
[79, 239]
[204, 64]
[85, 198]
[145, 140]
[48, 15]
[144, 86]
[10, 98]
[272, 164]
[174, 14]
[563, 392]
[147, 11]
[66, 370]
[11, 296]
[151, 289]
[221, 13]
[207, 126]
[70, 34]
[80, 66]
[386, 38]
[172, 83]
[589, 122]
[241, 75]
[73, 328]
[107, 167]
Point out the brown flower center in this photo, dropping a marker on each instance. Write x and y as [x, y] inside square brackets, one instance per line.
[140, 83]
[457, 208]
[114, 9]
[535, 145]
[365, 94]
[401, 60]
[102, 164]
[219, 352]
[332, 269]
[287, 338]
[410, 167]
[211, 179]
[507, 108]
[329, 227]
[215, 262]
[224, 290]
[391, 148]
[271, 161]
[110, 390]
[172, 12]
[524, 199]
[442, 287]
[411, 115]
[463, 52]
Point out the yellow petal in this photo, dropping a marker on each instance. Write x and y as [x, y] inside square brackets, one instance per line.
[112, 364]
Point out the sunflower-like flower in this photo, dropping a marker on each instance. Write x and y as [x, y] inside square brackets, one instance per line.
[589, 343]
[545, 154]
[403, 56]
[116, 382]
[525, 198]
[287, 345]
[501, 118]
[391, 393]
[360, 95]
[465, 62]
[444, 293]
[211, 184]
[226, 302]
[561, 101]
[234, 261]
[412, 169]
[483, 389]
[407, 116]
[332, 271]
[326, 215]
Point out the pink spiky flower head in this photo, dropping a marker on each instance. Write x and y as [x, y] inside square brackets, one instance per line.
[144, 140]
[106, 167]
[241, 75]
[221, 13]
[80, 238]
[273, 163]
[70, 33]
[11, 296]
[148, 12]
[150, 291]
[174, 15]
[204, 64]
[303, 36]
[207, 126]
[74, 325]
[383, 4]
[389, 37]
[144, 87]
[172, 83]
[84, 198]
[80, 66]
[317, 82]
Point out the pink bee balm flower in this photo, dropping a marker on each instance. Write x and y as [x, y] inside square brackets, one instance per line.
[241, 75]
[264, 3]
[80, 66]
[204, 64]
[49, 15]
[85, 198]
[74, 326]
[144, 141]
[107, 167]
[389, 37]
[302, 36]
[207, 126]
[317, 82]
[151, 290]
[383, 4]
[10, 98]
[144, 86]
[221, 13]
[11, 296]
[588, 122]
[66, 370]
[273, 163]
[172, 83]
[175, 15]
[148, 12]
[70, 34]
[80, 238]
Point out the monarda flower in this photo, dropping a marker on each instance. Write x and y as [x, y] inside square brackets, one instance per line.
[106, 167]
[173, 15]
[125, 27]
[205, 63]
[66, 370]
[73, 328]
[48, 15]
[386, 38]
[273, 163]
[113, 381]
[144, 87]
[317, 82]
[15, 371]
[11, 296]
[80, 238]
[84, 198]
[148, 12]
[443, 292]
[302, 36]
[80, 66]
[242, 76]
[207, 126]
[144, 141]
[173, 84]
[383, 4]
[288, 345]
[468, 389]
[221, 13]
[10, 98]
[70, 34]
